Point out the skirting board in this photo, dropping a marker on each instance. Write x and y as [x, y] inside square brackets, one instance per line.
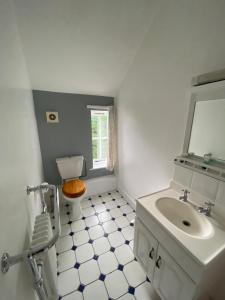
[128, 198]
[100, 185]
[105, 184]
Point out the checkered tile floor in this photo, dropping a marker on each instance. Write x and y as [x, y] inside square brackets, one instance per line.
[95, 257]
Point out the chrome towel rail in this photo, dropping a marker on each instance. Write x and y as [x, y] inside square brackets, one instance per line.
[36, 271]
[43, 188]
[7, 260]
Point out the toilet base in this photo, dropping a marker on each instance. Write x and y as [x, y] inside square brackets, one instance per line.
[76, 210]
[75, 204]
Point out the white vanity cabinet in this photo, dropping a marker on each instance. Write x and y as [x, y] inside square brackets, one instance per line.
[145, 248]
[180, 265]
[169, 280]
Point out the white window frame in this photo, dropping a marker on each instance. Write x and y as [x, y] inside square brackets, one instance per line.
[100, 163]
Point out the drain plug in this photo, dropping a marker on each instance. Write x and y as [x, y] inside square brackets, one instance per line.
[186, 223]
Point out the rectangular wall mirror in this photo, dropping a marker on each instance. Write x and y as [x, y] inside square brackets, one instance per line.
[208, 129]
[205, 133]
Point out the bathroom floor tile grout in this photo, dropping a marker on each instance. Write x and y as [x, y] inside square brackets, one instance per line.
[120, 267]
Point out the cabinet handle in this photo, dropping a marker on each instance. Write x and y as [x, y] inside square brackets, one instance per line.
[158, 262]
[151, 253]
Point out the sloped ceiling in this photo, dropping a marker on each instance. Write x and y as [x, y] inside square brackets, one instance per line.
[81, 46]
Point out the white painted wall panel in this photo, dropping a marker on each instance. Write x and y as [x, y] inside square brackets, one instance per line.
[185, 39]
[20, 160]
[82, 46]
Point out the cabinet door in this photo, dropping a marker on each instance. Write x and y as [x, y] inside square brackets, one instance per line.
[170, 281]
[145, 248]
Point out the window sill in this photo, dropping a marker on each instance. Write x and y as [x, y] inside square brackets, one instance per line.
[101, 164]
[99, 168]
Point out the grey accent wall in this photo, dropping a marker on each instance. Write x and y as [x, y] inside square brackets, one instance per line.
[72, 135]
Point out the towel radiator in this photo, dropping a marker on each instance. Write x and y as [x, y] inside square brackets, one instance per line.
[28, 255]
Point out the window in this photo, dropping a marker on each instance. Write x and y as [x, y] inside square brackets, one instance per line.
[100, 137]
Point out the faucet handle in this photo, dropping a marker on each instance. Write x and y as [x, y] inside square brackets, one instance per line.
[210, 204]
[186, 191]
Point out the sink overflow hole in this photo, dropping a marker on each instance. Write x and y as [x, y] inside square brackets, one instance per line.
[186, 223]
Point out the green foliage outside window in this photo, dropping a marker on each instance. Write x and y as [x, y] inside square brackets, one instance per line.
[99, 126]
[94, 126]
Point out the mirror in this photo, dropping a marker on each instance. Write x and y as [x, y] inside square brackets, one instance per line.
[208, 129]
[205, 134]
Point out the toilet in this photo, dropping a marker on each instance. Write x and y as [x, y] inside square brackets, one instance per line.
[73, 189]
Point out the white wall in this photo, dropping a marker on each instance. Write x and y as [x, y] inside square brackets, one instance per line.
[185, 39]
[81, 46]
[20, 160]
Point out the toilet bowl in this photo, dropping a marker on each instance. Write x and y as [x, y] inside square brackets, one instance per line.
[73, 192]
[73, 189]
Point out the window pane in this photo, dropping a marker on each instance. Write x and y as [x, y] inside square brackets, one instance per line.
[99, 127]
[104, 149]
[95, 149]
[104, 126]
[94, 126]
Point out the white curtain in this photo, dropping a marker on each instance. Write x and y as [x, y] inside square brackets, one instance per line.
[111, 159]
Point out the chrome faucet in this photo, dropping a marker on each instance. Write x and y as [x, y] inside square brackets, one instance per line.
[206, 210]
[185, 196]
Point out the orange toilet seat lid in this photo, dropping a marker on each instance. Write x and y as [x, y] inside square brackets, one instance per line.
[74, 188]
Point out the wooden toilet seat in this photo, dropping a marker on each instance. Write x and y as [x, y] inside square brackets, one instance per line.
[74, 188]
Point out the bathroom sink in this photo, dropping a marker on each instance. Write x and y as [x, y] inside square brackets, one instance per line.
[185, 217]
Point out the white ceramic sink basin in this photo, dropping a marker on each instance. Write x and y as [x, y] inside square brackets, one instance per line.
[185, 217]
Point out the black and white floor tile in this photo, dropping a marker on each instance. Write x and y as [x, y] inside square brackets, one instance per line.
[95, 257]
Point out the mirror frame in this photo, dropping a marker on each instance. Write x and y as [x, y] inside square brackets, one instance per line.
[212, 91]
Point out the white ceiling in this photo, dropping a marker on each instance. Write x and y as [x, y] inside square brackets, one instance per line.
[81, 46]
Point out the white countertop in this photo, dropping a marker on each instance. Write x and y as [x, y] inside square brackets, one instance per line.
[203, 249]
